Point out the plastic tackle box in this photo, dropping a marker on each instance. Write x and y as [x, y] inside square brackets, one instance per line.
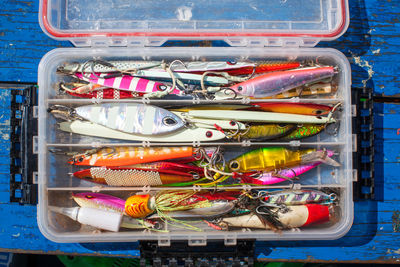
[134, 30]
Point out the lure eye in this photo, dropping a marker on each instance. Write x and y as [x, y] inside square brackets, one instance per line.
[234, 165]
[80, 159]
[240, 88]
[89, 196]
[169, 121]
[231, 62]
[282, 125]
[209, 134]
[232, 123]
[318, 112]
[161, 87]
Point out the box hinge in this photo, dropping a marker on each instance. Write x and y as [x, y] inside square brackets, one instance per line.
[291, 42]
[101, 41]
[363, 149]
[215, 253]
[23, 152]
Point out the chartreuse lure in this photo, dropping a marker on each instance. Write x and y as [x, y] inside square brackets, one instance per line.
[273, 158]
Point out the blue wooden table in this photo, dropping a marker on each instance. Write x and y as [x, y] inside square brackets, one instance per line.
[372, 44]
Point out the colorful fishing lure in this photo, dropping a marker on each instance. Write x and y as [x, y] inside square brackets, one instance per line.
[126, 83]
[267, 66]
[273, 158]
[257, 116]
[265, 132]
[99, 201]
[268, 178]
[119, 176]
[108, 93]
[277, 82]
[126, 117]
[294, 108]
[304, 131]
[294, 217]
[122, 156]
[139, 206]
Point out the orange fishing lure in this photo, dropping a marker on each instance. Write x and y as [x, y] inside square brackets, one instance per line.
[122, 156]
[294, 108]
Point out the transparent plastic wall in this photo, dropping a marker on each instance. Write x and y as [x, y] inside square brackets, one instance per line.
[56, 183]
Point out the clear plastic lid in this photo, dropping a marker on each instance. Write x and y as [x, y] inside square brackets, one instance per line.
[195, 19]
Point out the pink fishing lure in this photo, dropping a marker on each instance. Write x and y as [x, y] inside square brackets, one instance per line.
[125, 82]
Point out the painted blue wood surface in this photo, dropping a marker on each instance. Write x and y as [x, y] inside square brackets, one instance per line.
[372, 45]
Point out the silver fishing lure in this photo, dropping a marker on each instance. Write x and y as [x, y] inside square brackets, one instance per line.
[101, 66]
[132, 118]
[110, 66]
[296, 197]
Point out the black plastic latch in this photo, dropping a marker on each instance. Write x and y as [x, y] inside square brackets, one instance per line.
[215, 253]
[363, 158]
[23, 159]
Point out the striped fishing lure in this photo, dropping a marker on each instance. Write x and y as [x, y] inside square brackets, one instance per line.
[125, 82]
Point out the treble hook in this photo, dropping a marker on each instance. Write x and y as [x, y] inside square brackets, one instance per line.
[330, 115]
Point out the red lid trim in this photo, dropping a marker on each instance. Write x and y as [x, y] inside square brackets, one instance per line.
[59, 34]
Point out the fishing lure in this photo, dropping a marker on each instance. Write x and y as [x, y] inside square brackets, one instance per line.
[139, 206]
[293, 217]
[122, 156]
[277, 82]
[108, 203]
[126, 83]
[107, 66]
[257, 116]
[119, 176]
[99, 201]
[266, 66]
[295, 197]
[273, 158]
[130, 66]
[107, 93]
[316, 89]
[294, 108]
[268, 178]
[265, 132]
[192, 134]
[174, 166]
[303, 131]
[126, 117]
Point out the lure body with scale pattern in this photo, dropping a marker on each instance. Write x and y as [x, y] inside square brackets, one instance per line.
[131, 118]
[120, 176]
